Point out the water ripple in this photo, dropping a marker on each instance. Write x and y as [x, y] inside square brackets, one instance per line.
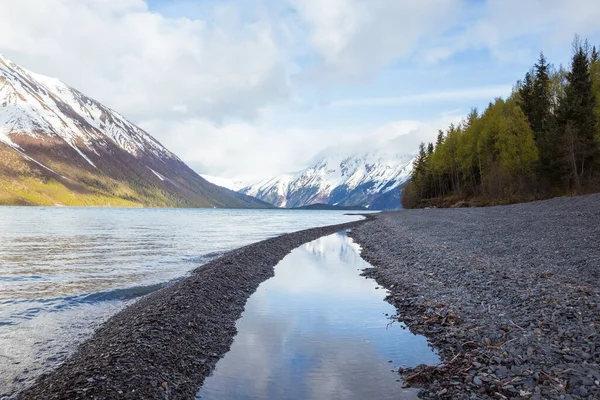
[65, 270]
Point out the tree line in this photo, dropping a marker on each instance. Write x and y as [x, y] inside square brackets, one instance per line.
[540, 142]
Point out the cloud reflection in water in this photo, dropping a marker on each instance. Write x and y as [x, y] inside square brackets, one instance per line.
[317, 330]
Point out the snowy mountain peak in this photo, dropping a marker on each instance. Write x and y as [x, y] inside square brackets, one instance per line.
[60, 147]
[272, 190]
[347, 179]
[39, 106]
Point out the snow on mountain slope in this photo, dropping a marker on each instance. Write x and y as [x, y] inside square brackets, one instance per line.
[273, 190]
[58, 146]
[35, 105]
[367, 179]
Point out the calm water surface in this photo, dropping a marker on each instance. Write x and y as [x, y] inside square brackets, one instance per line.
[65, 270]
[318, 330]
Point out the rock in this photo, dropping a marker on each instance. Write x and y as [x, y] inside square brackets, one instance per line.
[524, 314]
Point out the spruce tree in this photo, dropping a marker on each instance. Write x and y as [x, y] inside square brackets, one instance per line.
[418, 174]
[541, 119]
[541, 98]
[526, 95]
[551, 121]
[472, 117]
[419, 163]
[440, 137]
[577, 120]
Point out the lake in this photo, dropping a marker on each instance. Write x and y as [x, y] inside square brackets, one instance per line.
[63, 271]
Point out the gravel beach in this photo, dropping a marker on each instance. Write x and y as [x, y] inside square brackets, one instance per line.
[167, 343]
[509, 295]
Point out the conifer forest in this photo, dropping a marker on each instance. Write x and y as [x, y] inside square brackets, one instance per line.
[540, 142]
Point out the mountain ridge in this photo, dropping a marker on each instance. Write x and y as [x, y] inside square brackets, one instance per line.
[61, 147]
[369, 179]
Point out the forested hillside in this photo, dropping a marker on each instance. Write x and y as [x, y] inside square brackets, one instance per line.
[542, 141]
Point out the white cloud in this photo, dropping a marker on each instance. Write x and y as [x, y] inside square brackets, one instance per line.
[243, 150]
[396, 137]
[251, 152]
[512, 30]
[185, 80]
[356, 38]
[208, 78]
[144, 64]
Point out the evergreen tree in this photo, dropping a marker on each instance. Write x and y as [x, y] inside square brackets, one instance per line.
[541, 119]
[419, 170]
[472, 117]
[526, 95]
[577, 119]
[440, 137]
[541, 99]
[430, 149]
[544, 140]
[419, 163]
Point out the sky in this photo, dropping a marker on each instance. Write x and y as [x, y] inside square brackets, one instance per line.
[248, 89]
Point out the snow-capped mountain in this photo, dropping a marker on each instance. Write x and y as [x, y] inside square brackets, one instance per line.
[58, 146]
[370, 179]
[38, 106]
[274, 190]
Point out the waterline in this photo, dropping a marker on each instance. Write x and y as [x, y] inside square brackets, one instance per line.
[318, 330]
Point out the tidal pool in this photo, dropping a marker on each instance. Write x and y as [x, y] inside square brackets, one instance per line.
[318, 330]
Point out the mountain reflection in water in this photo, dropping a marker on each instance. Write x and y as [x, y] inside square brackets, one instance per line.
[318, 330]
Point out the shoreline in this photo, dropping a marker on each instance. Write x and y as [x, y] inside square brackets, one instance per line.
[168, 342]
[508, 295]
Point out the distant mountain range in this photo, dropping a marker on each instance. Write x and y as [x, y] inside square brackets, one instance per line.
[60, 147]
[371, 179]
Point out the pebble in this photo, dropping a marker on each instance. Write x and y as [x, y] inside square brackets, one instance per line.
[148, 348]
[520, 282]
